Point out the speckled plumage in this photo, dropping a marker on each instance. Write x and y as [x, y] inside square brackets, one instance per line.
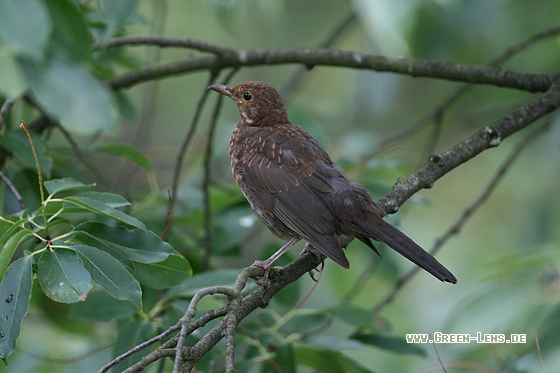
[297, 191]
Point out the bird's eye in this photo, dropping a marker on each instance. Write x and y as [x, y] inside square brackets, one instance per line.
[247, 96]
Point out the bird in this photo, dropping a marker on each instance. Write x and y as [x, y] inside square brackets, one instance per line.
[298, 192]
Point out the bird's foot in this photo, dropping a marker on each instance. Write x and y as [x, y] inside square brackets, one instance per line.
[268, 263]
[266, 266]
[308, 248]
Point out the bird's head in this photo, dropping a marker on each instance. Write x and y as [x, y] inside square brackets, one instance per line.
[258, 102]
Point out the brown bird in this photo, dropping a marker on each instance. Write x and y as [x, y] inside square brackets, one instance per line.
[298, 192]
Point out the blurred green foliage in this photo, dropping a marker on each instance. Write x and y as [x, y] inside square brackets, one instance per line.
[506, 257]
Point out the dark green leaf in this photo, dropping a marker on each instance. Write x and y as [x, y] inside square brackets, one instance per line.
[162, 275]
[125, 105]
[110, 274]
[100, 208]
[129, 336]
[285, 357]
[110, 199]
[7, 252]
[396, 345]
[353, 315]
[224, 277]
[338, 343]
[307, 322]
[70, 31]
[18, 144]
[12, 79]
[100, 306]
[327, 361]
[65, 184]
[88, 240]
[15, 291]
[127, 152]
[137, 245]
[115, 13]
[62, 276]
[69, 92]
[25, 26]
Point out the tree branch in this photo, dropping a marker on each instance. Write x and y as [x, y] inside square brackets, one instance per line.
[6, 106]
[491, 136]
[469, 211]
[329, 57]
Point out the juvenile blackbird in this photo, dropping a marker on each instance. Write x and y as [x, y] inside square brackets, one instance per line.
[298, 192]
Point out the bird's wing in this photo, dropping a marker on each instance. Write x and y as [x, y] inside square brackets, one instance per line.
[299, 194]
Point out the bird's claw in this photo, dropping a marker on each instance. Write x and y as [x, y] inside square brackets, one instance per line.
[264, 281]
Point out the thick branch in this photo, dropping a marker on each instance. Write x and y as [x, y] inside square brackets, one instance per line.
[328, 57]
[491, 136]
[438, 166]
[168, 42]
[280, 278]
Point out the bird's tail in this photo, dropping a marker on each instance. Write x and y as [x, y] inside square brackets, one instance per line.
[404, 245]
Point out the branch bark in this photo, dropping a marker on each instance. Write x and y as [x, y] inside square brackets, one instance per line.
[489, 137]
[226, 57]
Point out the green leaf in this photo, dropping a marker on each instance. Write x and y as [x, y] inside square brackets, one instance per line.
[327, 361]
[70, 30]
[86, 239]
[188, 288]
[65, 184]
[285, 357]
[110, 274]
[100, 208]
[100, 306]
[18, 144]
[127, 152]
[129, 336]
[338, 343]
[162, 275]
[68, 91]
[307, 321]
[25, 26]
[15, 292]
[396, 345]
[110, 199]
[353, 315]
[115, 13]
[62, 276]
[12, 80]
[138, 245]
[9, 249]
[9, 229]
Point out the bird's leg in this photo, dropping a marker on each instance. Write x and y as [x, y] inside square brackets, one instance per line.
[308, 248]
[268, 263]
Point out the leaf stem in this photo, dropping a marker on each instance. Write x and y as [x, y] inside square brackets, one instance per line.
[40, 177]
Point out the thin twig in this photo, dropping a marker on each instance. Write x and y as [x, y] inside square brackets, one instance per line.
[188, 138]
[470, 366]
[13, 189]
[467, 213]
[6, 106]
[148, 100]
[438, 356]
[208, 241]
[229, 292]
[230, 334]
[296, 78]
[453, 97]
[538, 346]
[200, 322]
[85, 160]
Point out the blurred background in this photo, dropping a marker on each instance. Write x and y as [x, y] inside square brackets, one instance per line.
[505, 257]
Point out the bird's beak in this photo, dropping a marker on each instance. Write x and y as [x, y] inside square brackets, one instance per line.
[223, 89]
